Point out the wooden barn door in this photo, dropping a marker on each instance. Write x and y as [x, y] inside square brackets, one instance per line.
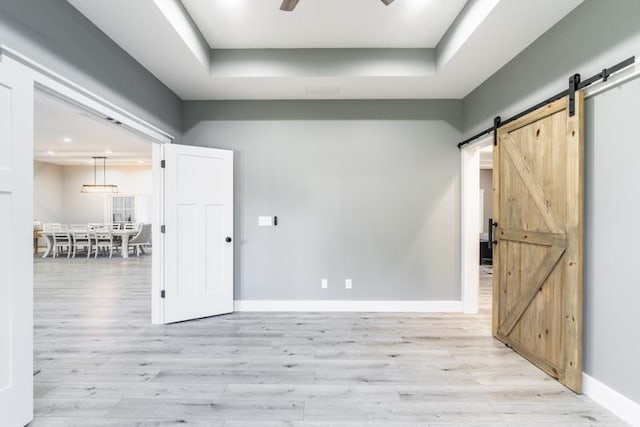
[538, 208]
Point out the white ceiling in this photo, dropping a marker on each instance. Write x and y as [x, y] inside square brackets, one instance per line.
[446, 53]
[258, 24]
[67, 135]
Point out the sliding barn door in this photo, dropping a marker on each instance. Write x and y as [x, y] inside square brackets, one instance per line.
[198, 208]
[16, 252]
[538, 208]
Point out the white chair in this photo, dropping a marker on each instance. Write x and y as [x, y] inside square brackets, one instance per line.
[130, 226]
[81, 240]
[102, 240]
[47, 228]
[61, 240]
[141, 240]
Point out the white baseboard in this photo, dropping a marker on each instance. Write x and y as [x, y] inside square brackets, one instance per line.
[621, 406]
[350, 305]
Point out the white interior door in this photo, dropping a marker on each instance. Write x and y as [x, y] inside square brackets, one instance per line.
[16, 256]
[198, 208]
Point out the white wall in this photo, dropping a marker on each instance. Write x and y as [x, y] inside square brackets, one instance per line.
[486, 184]
[47, 192]
[57, 196]
[80, 208]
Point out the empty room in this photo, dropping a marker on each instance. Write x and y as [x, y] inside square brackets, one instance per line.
[305, 213]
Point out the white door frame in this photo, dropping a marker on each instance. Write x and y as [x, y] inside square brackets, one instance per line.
[51, 82]
[469, 222]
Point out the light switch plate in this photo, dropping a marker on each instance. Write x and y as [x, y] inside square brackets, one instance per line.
[347, 284]
[325, 283]
[265, 221]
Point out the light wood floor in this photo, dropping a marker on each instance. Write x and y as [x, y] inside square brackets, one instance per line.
[99, 362]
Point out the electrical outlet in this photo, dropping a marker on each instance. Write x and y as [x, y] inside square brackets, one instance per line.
[347, 284]
[325, 283]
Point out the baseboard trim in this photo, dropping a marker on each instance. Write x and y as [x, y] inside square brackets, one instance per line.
[621, 406]
[350, 305]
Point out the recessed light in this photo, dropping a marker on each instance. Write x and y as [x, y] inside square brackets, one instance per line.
[141, 161]
[51, 152]
[90, 162]
[67, 139]
[107, 151]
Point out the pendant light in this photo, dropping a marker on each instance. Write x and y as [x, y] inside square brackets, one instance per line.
[99, 188]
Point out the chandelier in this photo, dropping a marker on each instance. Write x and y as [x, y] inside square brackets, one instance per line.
[99, 188]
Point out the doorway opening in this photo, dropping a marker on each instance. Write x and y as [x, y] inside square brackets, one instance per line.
[477, 207]
[23, 82]
[93, 217]
[485, 211]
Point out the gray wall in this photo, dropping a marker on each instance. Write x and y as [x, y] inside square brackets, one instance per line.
[55, 34]
[323, 62]
[597, 34]
[366, 190]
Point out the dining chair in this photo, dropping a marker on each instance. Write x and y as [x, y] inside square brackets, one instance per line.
[61, 240]
[130, 226]
[102, 240]
[81, 240]
[141, 240]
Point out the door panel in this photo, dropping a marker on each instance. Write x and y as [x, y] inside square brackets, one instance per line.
[199, 219]
[538, 204]
[215, 251]
[6, 312]
[16, 252]
[186, 250]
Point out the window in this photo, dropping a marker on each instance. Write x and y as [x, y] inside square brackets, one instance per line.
[123, 209]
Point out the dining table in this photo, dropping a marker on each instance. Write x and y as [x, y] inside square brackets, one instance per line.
[125, 235]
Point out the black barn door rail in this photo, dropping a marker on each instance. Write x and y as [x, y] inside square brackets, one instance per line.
[575, 84]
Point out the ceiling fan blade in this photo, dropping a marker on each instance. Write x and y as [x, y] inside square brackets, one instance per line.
[387, 2]
[289, 5]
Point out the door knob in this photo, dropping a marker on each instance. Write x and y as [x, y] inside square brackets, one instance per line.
[228, 240]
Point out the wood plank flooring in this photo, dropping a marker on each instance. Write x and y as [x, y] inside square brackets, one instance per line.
[99, 362]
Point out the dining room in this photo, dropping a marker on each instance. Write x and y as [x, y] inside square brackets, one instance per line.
[92, 185]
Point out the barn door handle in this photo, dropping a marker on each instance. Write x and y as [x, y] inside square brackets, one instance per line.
[228, 240]
[492, 234]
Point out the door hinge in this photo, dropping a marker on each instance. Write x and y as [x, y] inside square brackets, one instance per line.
[163, 164]
[162, 229]
[162, 294]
